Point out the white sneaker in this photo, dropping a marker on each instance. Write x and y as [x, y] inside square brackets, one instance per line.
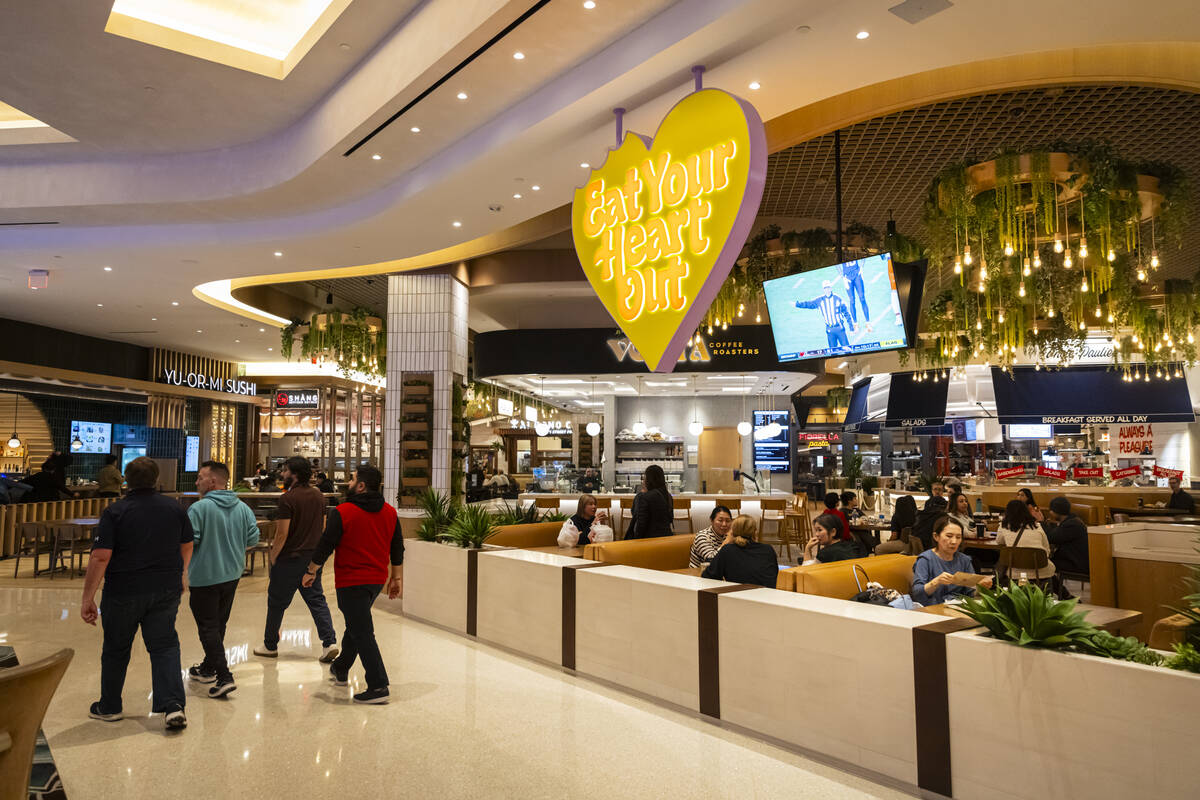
[266, 652]
[175, 720]
[329, 654]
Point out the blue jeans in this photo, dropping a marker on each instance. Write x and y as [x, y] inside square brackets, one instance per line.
[286, 575]
[121, 615]
[855, 286]
[359, 639]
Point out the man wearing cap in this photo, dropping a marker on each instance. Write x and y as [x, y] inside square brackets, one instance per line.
[836, 316]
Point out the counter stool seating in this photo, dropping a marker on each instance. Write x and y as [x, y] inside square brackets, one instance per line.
[734, 504]
[682, 512]
[25, 694]
[1014, 560]
[546, 502]
[801, 521]
[774, 511]
[626, 515]
[34, 540]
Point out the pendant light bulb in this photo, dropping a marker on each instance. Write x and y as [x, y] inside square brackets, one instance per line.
[1083, 251]
[1097, 311]
[958, 266]
[743, 428]
[1025, 268]
[1154, 259]
[1037, 260]
[1067, 262]
[1112, 255]
[1000, 316]
[978, 325]
[1008, 249]
[710, 330]
[593, 428]
[14, 442]
[1083, 287]
[1110, 318]
[696, 427]
[1050, 313]
[1058, 245]
[639, 428]
[1141, 275]
[1021, 289]
[1082, 325]
[983, 273]
[967, 255]
[1191, 340]
[758, 317]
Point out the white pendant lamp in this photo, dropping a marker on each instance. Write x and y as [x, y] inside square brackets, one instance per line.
[744, 427]
[695, 427]
[593, 428]
[541, 427]
[15, 441]
[639, 427]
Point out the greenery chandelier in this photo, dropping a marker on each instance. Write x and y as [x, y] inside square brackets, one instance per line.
[354, 341]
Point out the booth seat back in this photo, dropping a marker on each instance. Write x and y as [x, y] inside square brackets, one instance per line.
[536, 534]
[837, 578]
[662, 552]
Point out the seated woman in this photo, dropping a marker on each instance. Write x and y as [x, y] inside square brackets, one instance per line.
[585, 515]
[934, 569]
[960, 511]
[850, 507]
[827, 543]
[1020, 529]
[903, 517]
[711, 539]
[832, 500]
[1026, 497]
[742, 558]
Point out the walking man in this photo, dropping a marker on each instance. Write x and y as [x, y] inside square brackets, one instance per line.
[224, 527]
[141, 548]
[298, 525]
[836, 315]
[365, 531]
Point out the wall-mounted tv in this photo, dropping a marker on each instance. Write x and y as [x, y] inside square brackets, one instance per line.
[1030, 432]
[93, 437]
[850, 308]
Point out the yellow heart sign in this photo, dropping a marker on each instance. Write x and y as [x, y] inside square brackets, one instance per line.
[660, 223]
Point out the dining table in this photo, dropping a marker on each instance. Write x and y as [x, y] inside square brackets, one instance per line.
[573, 552]
[1151, 511]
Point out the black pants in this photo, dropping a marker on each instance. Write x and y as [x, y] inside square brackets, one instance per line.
[359, 639]
[211, 606]
[286, 574]
[121, 616]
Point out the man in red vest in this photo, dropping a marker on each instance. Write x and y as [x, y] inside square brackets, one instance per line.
[365, 531]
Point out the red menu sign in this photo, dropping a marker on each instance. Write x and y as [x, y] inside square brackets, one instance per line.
[1127, 472]
[1010, 472]
[1087, 472]
[1163, 472]
[1046, 472]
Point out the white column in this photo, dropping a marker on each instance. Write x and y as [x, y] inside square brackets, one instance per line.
[608, 474]
[427, 332]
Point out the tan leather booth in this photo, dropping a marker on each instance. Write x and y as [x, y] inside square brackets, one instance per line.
[836, 579]
[537, 534]
[662, 552]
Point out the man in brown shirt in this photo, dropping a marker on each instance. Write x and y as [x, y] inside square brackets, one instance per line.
[299, 522]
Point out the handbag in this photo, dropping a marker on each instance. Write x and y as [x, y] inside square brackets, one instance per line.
[874, 593]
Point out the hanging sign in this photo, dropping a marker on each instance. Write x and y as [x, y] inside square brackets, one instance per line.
[1127, 472]
[1046, 472]
[659, 224]
[1009, 472]
[298, 398]
[1133, 440]
[1163, 472]
[1087, 472]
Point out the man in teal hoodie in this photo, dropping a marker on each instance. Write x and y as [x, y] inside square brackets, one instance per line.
[224, 528]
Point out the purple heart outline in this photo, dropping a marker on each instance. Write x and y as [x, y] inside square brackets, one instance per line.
[756, 178]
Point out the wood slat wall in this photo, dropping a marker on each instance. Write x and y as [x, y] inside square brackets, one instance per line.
[186, 362]
[32, 429]
[166, 412]
[11, 516]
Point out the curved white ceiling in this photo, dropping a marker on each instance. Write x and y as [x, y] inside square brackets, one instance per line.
[168, 221]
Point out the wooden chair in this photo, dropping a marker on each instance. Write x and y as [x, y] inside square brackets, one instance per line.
[682, 512]
[734, 504]
[1022, 559]
[801, 520]
[71, 540]
[266, 537]
[25, 694]
[34, 539]
[774, 510]
[626, 514]
[547, 503]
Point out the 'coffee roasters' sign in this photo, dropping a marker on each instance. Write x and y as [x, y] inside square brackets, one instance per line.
[659, 224]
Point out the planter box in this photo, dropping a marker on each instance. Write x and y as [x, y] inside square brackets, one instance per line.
[414, 408]
[416, 462]
[416, 483]
[424, 390]
[435, 583]
[412, 427]
[415, 444]
[408, 501]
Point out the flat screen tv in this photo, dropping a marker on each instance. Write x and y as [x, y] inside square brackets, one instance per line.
[1030, 432]
[93, 437]
[847, 309]
[771, 452]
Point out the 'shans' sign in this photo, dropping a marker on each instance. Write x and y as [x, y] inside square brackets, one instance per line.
[212, 383]
[297, 398]
[659, 224]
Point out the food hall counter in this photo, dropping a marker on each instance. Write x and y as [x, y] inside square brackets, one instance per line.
[702, 504]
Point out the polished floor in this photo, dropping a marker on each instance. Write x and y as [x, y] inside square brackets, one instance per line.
[466, 720]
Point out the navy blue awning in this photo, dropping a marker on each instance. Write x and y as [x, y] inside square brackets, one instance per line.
[857, 408]
[933, 430]
[915, 404]
[1086, 396]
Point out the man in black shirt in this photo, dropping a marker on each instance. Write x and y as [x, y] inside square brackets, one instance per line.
[1069, 538]
[588, 483]
[1179, 498]
[140, 551]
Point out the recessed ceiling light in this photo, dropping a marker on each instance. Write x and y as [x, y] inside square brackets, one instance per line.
[199, 331]
[755, 86]
[269, 349]
[344, 45]
[174, 302]
[589, 4]
[536, 188]
[154, 319]
[278, 253]
[262, 330]
[375, 156]
[518, 55]
[108, 269]
[462, 95]
[861, 35]
[99, 305]
[585, 165]
[517, 196]
[415, 129]
[456, 224]
[237, 341]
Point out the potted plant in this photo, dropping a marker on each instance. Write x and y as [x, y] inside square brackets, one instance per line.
[415, 476]
[770, 234]
[470, 527]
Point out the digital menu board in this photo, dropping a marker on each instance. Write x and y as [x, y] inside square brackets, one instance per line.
[771, 450]
[93, 437]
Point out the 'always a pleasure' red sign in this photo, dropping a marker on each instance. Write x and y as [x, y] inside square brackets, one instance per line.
[1046, 472]
[1010, 472]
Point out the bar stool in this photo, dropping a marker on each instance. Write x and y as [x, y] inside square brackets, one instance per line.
[626, 514]
[774, 510]
[682, 512]
[734, 504]
[548, 503]
[801, 521]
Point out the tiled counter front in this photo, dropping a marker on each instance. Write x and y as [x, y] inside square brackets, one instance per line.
[1026, 722]
[827, 675]
[435, 583]
[639, 628]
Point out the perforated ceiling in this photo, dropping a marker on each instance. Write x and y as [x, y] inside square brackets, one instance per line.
[888, 162]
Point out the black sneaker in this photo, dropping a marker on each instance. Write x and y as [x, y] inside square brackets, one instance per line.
[375, 697]
[336, 679]
[176, 720]
[199, 674]
[95, 713]
[221, 688]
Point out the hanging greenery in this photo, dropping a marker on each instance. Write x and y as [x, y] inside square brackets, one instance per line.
[1040, 248]
[355, 341]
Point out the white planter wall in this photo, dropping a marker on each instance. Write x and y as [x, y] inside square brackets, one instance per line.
[435, 583]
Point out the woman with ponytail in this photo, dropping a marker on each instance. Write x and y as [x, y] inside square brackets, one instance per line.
[744, 559]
